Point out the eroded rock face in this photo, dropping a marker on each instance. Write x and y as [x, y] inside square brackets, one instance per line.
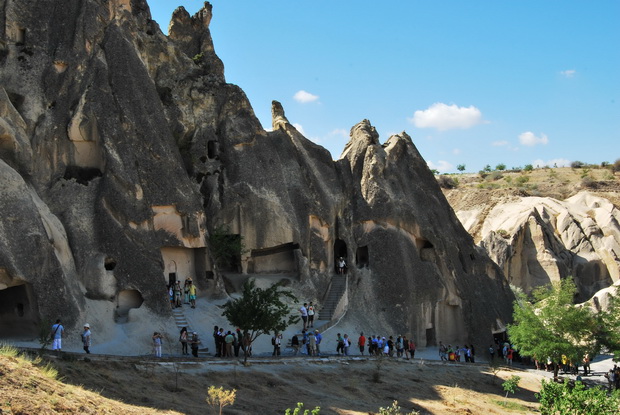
[122, 148]
[540, 240]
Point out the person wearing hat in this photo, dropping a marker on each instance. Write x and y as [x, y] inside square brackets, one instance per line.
[86, 338]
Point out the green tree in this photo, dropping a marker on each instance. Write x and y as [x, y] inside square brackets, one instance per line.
[301, 411]
[528, 167]
[226, 248]
[566, 399]
[260, 311]
[551, 326]
[500, 167]
[511, 385]
[487, 168]
[460, 167]
[220, 397]
[608, 333]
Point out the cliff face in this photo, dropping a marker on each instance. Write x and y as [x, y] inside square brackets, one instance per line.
[122, 148]
[538, 240]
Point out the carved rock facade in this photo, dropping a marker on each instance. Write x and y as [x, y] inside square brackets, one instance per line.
[122, 148]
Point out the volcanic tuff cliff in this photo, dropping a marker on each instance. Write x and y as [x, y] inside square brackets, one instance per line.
[121, 149]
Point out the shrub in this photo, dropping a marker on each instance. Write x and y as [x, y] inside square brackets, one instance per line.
[494, 175]
[487, 168]
[528, 167]
[588, 183]
[616, 166]
[394, 410]
[503, 233]
[301, 411]
[447, 182]
[576, 164]
[500, 167]
[460, 167]
[220, 397]
[483, 174]
[521, 180]
[567, 398]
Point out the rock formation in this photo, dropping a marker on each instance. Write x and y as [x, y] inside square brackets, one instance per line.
[122, 149]
[538, 240]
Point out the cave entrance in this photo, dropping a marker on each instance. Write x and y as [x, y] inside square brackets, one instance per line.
[430, 337]
[125, 301]
[340, 251]
[18, 315]
[361, 257]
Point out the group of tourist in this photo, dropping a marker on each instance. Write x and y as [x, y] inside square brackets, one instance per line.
[447, 353]
[307, 312]
[230, 343]
[182, 295]
[58, 331]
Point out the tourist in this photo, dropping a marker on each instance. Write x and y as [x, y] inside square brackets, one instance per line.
[57, 334]
[186, 290]
[237, 344]
[157, 344]
[492, 352]
[177, 294]
[472, 354]
[192, 293]
[318, 337]
[228, 341]
[346, 344]
[183, 339]
[86, 338]
[412, 347]
[442, 352]
[295, 344]
[311, 344]
[276, 341]
[339, 344]
[247, 344]
[586, 364]
[399, 346]
[361, 343]
[304, 314]
[310, 315]
[216, 331]
[195, 342]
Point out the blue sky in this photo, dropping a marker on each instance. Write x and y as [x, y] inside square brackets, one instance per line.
[474, 83]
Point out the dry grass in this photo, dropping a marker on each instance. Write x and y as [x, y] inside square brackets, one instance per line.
[133, 386]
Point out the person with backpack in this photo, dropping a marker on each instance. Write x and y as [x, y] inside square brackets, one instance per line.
[57, 334]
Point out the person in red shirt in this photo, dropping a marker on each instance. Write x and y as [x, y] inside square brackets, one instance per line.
[361, 342]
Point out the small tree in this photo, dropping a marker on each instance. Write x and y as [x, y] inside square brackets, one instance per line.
[528, 167]
[220, 397]
[551, 326]
[511, 385]
[226, 248]
[260, 311]
[500, 167]
[487, 168]
[460, 167]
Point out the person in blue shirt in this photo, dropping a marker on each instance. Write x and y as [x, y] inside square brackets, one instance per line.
[57, 332]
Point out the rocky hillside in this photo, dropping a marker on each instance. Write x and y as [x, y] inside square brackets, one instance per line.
[123, 150]
[546, 224]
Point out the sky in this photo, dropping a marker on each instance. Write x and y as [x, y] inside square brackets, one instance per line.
[474, 83]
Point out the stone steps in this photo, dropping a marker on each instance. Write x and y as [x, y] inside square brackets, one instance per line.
[336, 291]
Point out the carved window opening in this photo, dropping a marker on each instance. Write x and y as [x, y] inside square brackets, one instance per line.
[21, 36]
[82, 175]
[361, 257]
[109, 264]
[276, 259]
[172, 278]
[430, 337]
[211, 149]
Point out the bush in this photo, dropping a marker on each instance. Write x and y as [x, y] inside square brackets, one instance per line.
[500, 167]
[576, 164]
[528, 167]
[460, 167]
[494, 175]
[616, 166]
[521, 180]
[567, 398]
[588, 183]
[447, 182]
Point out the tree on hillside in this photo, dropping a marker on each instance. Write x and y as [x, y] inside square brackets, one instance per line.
[500, 167]
[260, 311]
[460, 167]
[551, 325]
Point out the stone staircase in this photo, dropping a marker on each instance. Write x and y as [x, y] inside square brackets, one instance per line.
[181, 321]
[336, 290]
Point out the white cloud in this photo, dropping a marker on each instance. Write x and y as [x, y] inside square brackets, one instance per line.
[551, 163]
[528, 138]
[447, 117]
[569, 73]
[499, 143]
[305, 97]
[442, 166]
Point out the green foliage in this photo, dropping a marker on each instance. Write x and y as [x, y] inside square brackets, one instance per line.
[220, 397]
[576, 164]
[566, 399]
[528, 167]
[608, 334]
[460, 167]
[394, 409]
[521, 180]
[301, 411]
[260, 311]
[447, 182]
[435, 172]
[226, 248]
[487, 168]
[198, 58]
[495, 175]
[508, 179]
[500, 167]
[503, 233]
[550, 326]
[511, 385]
[8, 350]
